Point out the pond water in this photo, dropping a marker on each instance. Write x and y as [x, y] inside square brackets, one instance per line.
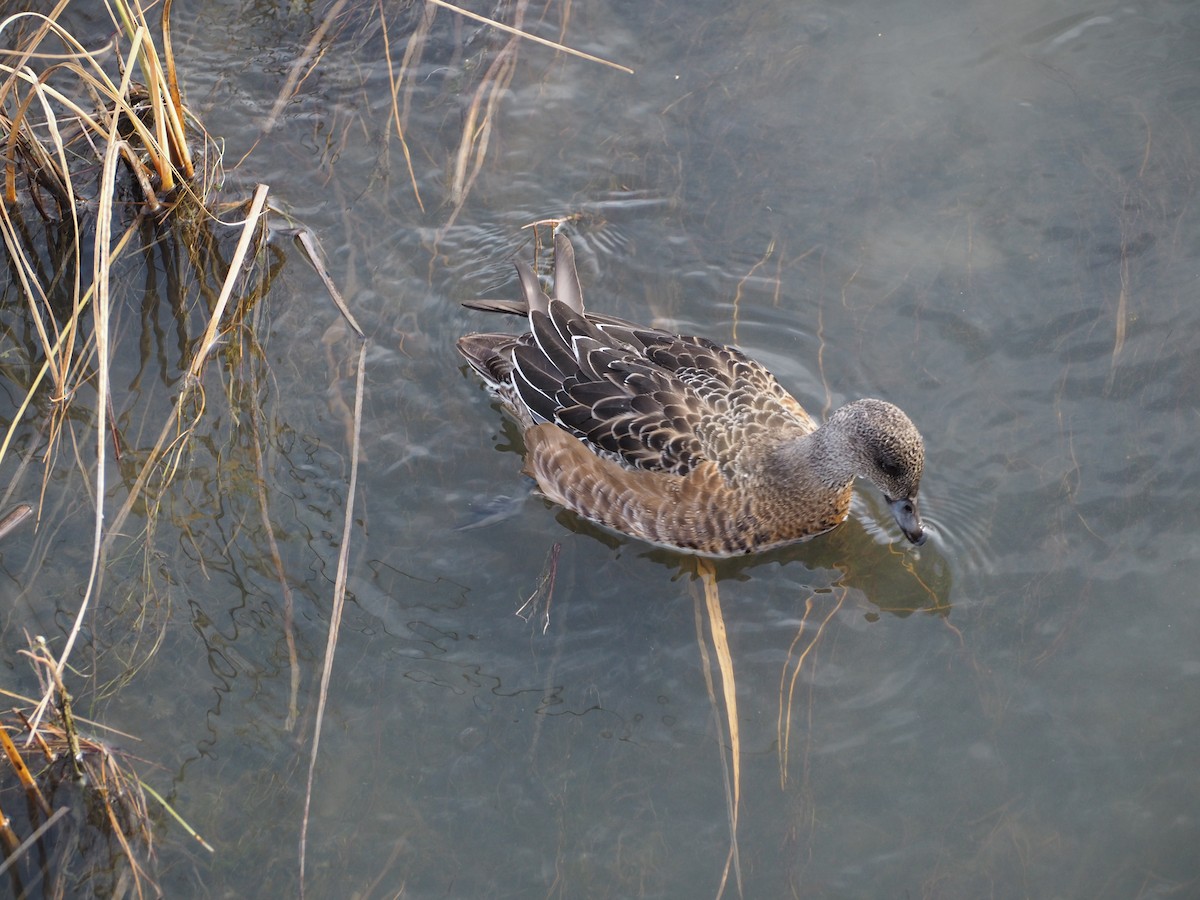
[985, 213]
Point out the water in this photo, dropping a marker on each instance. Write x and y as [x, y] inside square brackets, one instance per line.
[983, 213]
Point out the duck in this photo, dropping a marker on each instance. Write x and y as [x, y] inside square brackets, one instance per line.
[677, 440]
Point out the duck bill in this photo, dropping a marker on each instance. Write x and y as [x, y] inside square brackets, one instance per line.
[908, 517]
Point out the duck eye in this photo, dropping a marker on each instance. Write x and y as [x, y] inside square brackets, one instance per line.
[890, 468]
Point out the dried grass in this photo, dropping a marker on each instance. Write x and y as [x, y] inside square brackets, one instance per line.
[104, 167]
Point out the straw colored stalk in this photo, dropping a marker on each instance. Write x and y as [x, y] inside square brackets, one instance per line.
[102, 262]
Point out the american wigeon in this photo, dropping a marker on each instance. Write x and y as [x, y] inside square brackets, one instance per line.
[677, 440]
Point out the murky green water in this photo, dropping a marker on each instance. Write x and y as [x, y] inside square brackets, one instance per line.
[985, 213]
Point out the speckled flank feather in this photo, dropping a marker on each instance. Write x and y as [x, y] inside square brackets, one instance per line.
[698, 512]
[677, 440]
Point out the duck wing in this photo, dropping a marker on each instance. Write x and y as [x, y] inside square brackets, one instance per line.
[646, 398]
[742, 402]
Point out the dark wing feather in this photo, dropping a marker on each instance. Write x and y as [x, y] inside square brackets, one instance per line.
[537, 381]
[556, 348]
[632, 411]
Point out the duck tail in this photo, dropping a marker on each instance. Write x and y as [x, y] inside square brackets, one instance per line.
[566, 285]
